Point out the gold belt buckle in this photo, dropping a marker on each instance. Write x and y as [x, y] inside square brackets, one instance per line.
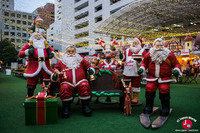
[41, 59]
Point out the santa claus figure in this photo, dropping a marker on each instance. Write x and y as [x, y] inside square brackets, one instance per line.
[38, 63]
[159, 61]
[71, 68]
[196, 65]
[37, 27]
[109, 63]
[131, 66]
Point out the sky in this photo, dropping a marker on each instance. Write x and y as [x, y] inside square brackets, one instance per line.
[29, 5]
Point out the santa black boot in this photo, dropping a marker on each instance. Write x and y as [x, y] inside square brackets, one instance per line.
[86, 108]
[66, 108]
[30, 90]
[164, 114]
[148, 110]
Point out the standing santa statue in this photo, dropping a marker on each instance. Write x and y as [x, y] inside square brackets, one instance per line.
[39, 53]
[131, 67]
[160, 62]
[71, 69]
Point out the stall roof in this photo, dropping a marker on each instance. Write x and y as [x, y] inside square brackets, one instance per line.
[143, 17]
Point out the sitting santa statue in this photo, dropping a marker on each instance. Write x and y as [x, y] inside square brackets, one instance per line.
[159, 61]
[131, 67]
[39, 53]
[71, 69]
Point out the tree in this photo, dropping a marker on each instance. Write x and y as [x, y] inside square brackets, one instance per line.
[8, 53]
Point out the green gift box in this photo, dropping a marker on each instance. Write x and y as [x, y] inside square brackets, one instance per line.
[41, 111]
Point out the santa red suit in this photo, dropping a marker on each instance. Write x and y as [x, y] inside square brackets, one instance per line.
[159, 75]
[38, 63]
[130, 66]
[74, 78]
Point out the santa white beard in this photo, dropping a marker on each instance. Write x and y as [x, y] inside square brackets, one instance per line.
[135, 49]
[71, 61]
[38, 43]
[159, 55]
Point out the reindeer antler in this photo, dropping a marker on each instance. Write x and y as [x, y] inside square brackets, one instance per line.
[102, 43]
[114, 42]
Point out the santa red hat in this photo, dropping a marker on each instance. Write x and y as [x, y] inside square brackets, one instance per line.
[95, 56]
[139, 40]
[158, 39]
[37, 19]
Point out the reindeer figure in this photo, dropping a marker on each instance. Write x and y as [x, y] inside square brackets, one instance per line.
[102, 43]
[127, 102]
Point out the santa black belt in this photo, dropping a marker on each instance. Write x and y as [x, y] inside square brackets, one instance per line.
[39, 59]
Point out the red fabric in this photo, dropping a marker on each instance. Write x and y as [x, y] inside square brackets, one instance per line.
[66, 91]
[165, 68]
[34, 80]
[41, 116]
[115, 63]
[163, 87]
[135, 81]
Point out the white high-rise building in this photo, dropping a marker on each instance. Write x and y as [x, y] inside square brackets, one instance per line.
[75, 21]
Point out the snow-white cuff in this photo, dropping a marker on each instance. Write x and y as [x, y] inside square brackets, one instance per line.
[84, 98]
[143, 68]
[68, 99]
[26, 52]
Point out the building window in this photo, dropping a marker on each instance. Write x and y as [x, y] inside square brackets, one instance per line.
[51, 34]
[97, 19]
[24, 41]
[188, 44]
[23, 28]
[52, 28]
[82, 44]
[82, 25]
[12, 14]
[23, 34]
[12, 33]
[18, 28]
[18, 22]
[18, 15]
[82, 15]
[6, 33]
[113, 11]
[6, 20]
[75, 1]
[30, 17]
[29, 23]
[24, 22]
[98, 8]
[19, 34]
[6, 13]
[24, 16]
[3, 5]
[81, 6]
[12, 21]
[52, 40]
[7, 6]
[18, 40]
[81, 35]
[6, 26]
[96, 0]
[114, 1]
[12, 39]
[12, 27]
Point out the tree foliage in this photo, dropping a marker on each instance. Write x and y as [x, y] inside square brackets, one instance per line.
[8, 53]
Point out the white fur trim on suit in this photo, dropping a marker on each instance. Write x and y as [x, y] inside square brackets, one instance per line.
[151, 80]
[74, 85]
[26, 52]
[51, 77]
[84, 98]
[46, 69]
[68, 99]
[157, 70]
[134, 89]
[143, 68]
[166, 81]
[178, 71]
[74, 76]
[92, 69]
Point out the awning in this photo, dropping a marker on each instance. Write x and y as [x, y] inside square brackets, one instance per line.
[146, 17]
